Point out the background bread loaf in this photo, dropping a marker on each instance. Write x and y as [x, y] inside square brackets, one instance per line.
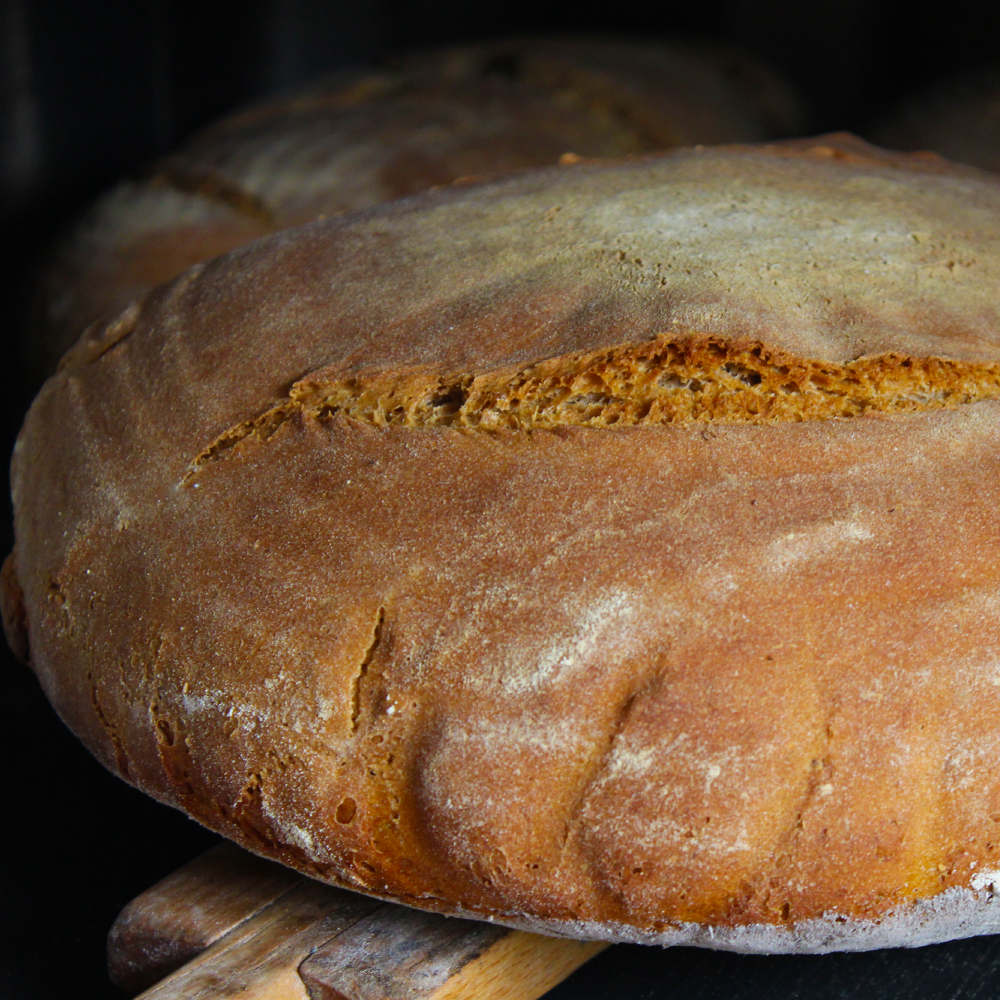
[363, 138]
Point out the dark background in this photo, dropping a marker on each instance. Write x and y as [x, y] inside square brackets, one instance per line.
[90, 92]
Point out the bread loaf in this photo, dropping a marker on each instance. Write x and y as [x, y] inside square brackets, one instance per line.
[608, 550]
[363, 138]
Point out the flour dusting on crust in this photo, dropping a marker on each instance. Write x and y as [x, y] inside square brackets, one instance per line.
[955, 913]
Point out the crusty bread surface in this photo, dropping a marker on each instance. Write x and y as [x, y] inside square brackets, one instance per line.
[361, 138]
[609, 549]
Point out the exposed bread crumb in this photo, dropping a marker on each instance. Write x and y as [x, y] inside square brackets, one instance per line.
[658, 382]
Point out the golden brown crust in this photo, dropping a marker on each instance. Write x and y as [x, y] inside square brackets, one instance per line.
[361, 139]
[621, 680]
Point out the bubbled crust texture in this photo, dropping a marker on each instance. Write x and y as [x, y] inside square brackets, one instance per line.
[364, 138]
[622, 682]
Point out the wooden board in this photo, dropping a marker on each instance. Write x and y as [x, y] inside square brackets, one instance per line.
[398, 954]
[179, 917]
[229, 924]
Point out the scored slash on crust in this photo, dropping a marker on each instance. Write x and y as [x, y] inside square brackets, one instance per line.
[662, 381]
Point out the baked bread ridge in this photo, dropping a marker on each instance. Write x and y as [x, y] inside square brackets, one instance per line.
[363, 648]
[955, 913]
[360, 138]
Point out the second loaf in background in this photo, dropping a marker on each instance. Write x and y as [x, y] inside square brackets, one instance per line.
[366, 137]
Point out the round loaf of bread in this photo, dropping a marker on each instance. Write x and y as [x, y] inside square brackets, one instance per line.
[607, 550]
[363, 138]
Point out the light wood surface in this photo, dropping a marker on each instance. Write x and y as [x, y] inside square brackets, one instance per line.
[180, 916]
[401, 954]
[259, 960]
[229, 924]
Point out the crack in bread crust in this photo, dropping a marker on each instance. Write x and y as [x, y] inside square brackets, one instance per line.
[363, 668]
[659, 382]
[215, 187]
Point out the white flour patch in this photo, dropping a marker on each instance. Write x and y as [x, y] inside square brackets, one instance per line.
[220, 703]
[985, 880]
[711, 773]
[524, 733]
[812, 543]
[291, 833]
[294, 834]
[608, 622]
[505, 754]
[632, 762]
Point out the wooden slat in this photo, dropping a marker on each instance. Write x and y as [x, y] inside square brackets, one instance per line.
[252, 929]
[521, 966]
[185, 913]
[259, 960]
[401, 954]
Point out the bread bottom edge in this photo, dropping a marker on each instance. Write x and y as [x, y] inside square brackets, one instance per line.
[953, 914]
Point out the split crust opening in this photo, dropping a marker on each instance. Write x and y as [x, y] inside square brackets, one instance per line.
[655, 383]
